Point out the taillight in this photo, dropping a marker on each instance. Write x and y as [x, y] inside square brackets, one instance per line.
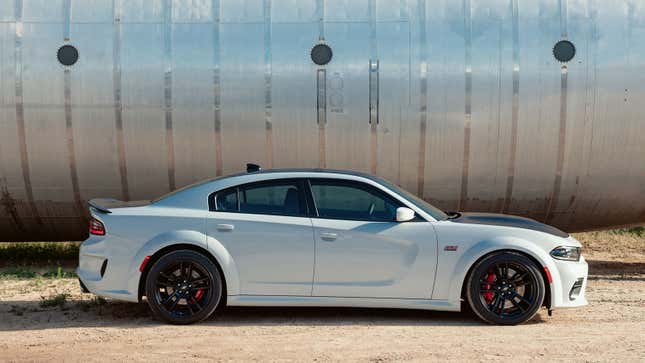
[96, 227]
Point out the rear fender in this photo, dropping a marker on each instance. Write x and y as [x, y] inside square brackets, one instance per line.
[216, 249]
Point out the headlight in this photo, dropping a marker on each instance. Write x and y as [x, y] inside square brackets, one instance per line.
[566, 253]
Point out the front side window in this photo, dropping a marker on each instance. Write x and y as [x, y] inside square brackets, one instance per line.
[352, 200]
[275, 197]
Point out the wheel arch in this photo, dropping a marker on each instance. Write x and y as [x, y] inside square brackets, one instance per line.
[541, 267]
[463, 266]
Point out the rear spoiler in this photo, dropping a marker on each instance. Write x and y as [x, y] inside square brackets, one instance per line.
[101, 205]
[105, 205]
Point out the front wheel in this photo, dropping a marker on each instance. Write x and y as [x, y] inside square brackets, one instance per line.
[183, 287]
[505, 288]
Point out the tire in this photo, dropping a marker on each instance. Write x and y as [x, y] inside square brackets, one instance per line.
[183, 287]
[505, 288]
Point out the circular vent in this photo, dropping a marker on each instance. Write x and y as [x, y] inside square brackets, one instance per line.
[564, 51]
[67, 55]
[321, 54]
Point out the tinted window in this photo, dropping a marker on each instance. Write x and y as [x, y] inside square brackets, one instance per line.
[349, 200]
[282, 198]
[226, 201]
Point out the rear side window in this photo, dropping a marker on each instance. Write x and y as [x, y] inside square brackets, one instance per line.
[280, 197]
[226, 200]
[352, 200]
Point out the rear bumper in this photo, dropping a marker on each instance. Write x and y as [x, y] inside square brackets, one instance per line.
[102, 273]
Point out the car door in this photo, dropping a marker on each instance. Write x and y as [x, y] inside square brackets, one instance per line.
[265, 228]
[361, 251]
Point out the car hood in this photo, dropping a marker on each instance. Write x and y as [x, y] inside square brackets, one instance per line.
[505, 220]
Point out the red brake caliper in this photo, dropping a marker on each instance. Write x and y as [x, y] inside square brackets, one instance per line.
[488, 296]
[199, 294]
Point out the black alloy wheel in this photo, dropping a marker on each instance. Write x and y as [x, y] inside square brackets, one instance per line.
[505, 288]
[183, 287]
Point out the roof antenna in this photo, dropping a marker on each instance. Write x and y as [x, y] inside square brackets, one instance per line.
[252, 168]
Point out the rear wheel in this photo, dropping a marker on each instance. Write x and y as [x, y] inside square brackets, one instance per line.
[505, 288]
[183, 287]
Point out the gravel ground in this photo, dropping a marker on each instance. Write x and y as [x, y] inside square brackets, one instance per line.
[612, 327]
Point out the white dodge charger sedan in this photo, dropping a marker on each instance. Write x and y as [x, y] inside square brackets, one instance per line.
[310, 237]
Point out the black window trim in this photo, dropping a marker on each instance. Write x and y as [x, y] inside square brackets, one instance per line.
[363, 186]
[298, 182]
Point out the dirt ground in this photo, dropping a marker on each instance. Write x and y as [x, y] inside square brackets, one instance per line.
[611, 328]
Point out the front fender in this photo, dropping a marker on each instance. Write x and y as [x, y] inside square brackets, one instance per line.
[189, 237]
[483, 248]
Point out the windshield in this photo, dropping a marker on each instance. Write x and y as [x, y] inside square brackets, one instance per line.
[435, 212]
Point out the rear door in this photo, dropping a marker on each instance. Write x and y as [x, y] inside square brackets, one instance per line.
[361, 251]
[265, 228]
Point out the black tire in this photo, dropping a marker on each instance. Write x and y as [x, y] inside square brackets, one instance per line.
[505, 288]
[183, 287]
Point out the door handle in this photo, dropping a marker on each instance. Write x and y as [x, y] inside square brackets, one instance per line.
[225, 227]
[328, 236]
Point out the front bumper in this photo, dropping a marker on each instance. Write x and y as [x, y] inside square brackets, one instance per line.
[571, 284]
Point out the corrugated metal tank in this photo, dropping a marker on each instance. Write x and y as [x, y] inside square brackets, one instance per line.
[461, 102]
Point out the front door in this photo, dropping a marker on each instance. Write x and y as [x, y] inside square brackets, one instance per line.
[265, 228]
[361, 251]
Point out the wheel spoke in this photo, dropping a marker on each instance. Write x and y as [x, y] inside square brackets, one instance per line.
[168, 278]
[498, 273]
[189, 272]
[522, 299]
[174, 304]
[516, 304]
[499, 306]
[169, 298]
[199, 280]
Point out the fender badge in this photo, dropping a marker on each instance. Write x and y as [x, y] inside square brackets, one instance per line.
[450, 248]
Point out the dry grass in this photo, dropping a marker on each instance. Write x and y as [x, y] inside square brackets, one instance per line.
[620, 244]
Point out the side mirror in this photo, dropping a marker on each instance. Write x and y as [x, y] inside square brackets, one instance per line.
[404, 214]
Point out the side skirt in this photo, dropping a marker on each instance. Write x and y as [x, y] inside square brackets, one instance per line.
[354, 302]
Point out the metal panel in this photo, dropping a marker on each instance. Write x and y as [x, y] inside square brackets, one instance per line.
[492, 73]
[348, 128]
[91, 11]
[39, 63]
[7, 10]
[7, 57]
[42, 11]
[446, 103]
[242, 11]
[144, 134]
[142, 65]
[92, 81]
[393, 131]
[95, 138]
[539, 109]
[141, 11]
[192, 11]
[293, 11]
[293, 95]
[242, 87]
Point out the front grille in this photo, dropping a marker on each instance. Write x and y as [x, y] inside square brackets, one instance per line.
[575, 290]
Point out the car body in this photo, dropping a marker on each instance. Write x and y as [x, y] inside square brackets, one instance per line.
[309, 237]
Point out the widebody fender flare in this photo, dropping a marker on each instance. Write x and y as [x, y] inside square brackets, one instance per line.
[185, 237]
[483, 248]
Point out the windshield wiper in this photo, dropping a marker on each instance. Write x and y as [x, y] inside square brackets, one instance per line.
[453, 215]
